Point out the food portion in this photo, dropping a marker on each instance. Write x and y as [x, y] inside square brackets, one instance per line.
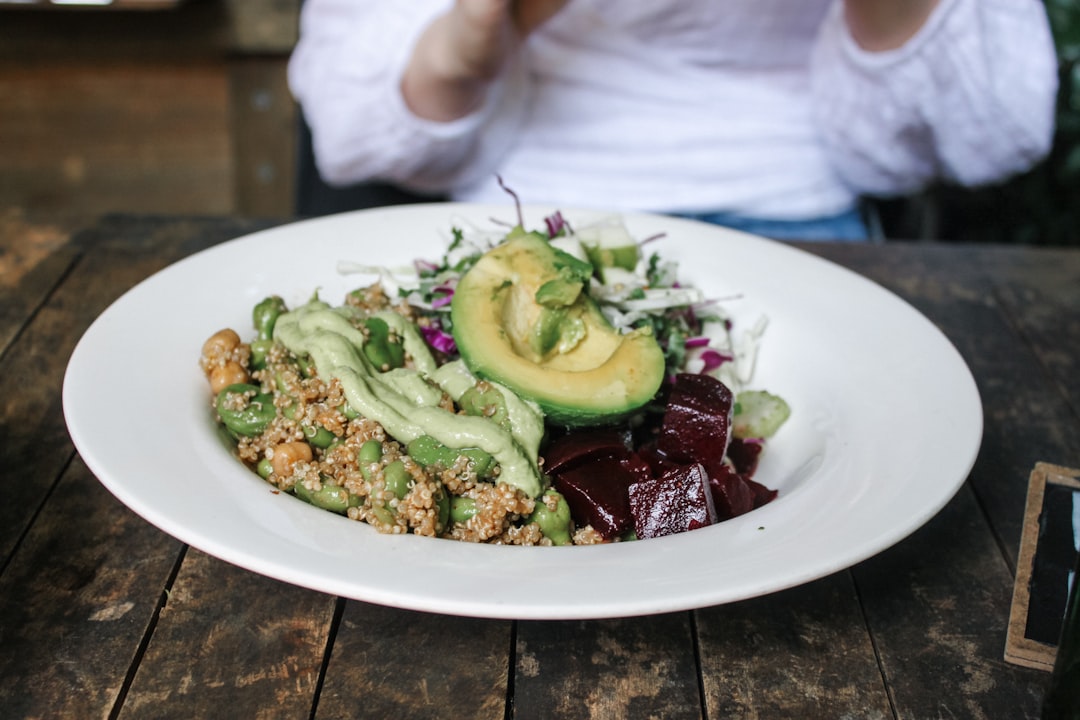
[535, 388]
[521, 317]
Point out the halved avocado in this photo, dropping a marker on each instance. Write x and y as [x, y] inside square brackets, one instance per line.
[557, 348]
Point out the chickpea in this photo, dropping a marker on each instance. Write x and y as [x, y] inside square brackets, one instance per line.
[221, 343]
[231, 373]
[286, 455]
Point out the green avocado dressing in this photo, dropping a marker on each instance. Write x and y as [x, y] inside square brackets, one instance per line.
[404, 401]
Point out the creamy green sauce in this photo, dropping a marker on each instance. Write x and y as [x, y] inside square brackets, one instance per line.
[405, 401]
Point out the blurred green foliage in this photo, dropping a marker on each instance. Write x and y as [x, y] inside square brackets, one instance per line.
[1042, 206]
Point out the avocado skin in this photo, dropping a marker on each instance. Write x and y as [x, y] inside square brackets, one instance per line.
[593, 378]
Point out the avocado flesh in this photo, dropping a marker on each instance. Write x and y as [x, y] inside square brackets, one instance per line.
[566, 358]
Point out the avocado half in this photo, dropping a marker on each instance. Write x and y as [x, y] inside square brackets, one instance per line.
[522, 318]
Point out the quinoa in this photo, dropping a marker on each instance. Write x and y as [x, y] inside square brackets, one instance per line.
[307, 407]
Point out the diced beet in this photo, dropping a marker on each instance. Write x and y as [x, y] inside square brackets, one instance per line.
[638, 468]
[745, 455]
[762, 494]
[581, 446]
[731, 493]
[675, 502]
[697, 422]
[658, 462]
[597, 495]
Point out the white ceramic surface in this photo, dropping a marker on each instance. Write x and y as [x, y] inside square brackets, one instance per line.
[875, 389]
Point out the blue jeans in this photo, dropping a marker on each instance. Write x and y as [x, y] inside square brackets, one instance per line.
[847, 226]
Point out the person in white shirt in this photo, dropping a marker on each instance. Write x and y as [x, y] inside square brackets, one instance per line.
[769, 115]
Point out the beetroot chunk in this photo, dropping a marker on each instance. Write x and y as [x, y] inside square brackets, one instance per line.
[697, 421]
[597, 495]
[731, 493]
[581, 446]
[745, 455]
[678, 501]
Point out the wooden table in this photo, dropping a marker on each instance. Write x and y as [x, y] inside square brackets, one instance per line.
[102, 615]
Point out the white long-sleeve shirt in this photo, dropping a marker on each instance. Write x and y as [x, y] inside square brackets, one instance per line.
[765, 108]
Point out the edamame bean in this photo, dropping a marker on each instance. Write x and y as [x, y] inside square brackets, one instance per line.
[397, 479]
[264, 468]
[487, 402]
[442, 503]
[428, 451]
[253, 417]
[383, 348]
[318, 436]
[259, 350]
[265, 315]
[369, 454]
[328, 497]
[462, 509]
[554, 524]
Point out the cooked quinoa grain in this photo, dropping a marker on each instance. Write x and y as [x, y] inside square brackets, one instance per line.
[312, 447]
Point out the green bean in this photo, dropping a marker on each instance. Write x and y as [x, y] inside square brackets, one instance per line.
[428, 451]
[554, 524]
[265, 315]
[462, 508]
[383, 348]
[307, 366]
[259, 350]
[250, 420]
[329, 497]
[318, 436]
[442, 502]
[369, 454]
[397, 479]
[384, 514]
[488, 403]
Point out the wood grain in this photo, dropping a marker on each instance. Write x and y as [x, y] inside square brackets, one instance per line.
[621, 668]
[74, 606]
[937, 606]
[33, 258]
[390, 663]
[228, 638]
[802, 653]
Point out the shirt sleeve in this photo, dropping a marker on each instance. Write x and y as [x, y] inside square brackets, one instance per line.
[345, 73]
[970, 98]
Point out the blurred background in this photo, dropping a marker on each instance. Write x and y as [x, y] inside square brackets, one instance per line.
[181, 106]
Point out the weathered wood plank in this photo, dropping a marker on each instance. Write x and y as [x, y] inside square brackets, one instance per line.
[33, 257]
[398, 663]
[1038, 291]
[621, 668]
[228, 638]
[32, 371]
[801, 653]
[937, 605]
[76, 600]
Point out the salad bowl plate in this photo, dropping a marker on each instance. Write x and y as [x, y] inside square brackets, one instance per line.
[868, 378]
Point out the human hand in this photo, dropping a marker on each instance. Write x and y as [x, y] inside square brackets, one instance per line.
[480, 35]
[879, 25]
[462, 51]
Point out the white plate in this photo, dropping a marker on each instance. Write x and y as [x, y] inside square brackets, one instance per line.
[886, 425]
